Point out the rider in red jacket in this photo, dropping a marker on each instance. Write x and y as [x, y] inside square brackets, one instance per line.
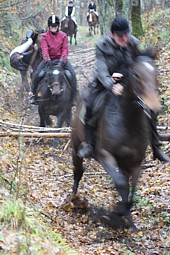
[54, 45]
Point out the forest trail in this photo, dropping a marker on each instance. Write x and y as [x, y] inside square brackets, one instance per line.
[47, 174]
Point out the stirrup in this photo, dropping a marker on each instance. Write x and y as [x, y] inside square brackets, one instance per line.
[32, 100]
[85, 150]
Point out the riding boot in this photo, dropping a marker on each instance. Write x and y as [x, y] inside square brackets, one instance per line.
[155, 141]
[72, 80]
[39, 74]
[85, 149]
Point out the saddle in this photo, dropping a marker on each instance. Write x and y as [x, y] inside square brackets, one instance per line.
[96, 109]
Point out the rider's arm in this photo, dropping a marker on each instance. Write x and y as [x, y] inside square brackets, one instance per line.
[66, 11]
[44, 47]
[64, 52]
[73, 12]
[102, 71]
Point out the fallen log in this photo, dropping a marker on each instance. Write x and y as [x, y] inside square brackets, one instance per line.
[35, 135]
[164, 137]
[22, 127]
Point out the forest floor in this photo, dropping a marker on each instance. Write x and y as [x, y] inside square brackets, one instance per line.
[43, 177]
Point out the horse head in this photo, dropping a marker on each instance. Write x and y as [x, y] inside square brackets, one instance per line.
[54, 77]
[143, 77]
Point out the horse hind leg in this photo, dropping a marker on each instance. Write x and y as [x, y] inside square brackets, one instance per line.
[77, 169]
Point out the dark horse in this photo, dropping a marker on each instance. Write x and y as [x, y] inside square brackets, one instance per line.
[122, 132]
[92, 22]
[68, 26]
[54, 96]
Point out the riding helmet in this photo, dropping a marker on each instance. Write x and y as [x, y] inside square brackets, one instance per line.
[119, 26]
[53, 21]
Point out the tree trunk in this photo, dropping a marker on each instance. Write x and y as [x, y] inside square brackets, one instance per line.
[137, 29]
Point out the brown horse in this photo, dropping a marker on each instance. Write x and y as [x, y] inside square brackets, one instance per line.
[93, 23]
[68, 26]
[122, 131]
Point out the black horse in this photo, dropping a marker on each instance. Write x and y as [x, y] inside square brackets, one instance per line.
[122, 132]
[68, 26]
[54, 96]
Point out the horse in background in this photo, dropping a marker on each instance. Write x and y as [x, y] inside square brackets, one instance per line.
[35, 60]
[68, 26]
[93, 23]
[121, 133]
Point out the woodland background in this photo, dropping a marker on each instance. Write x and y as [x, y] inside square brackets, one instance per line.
[36, 179]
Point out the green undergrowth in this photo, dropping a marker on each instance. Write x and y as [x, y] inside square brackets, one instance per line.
[22, 231]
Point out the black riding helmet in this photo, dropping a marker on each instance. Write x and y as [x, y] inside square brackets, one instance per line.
[119, 26]
[53, 21]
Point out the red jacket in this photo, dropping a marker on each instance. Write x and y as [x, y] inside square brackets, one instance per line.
[54, 46]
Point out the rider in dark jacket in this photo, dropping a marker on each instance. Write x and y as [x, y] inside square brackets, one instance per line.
[92, 8]
[112, 51]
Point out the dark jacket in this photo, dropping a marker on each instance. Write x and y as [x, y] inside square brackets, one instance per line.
[110, 57]
[92, 7]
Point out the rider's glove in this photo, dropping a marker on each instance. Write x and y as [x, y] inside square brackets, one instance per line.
[117, 88]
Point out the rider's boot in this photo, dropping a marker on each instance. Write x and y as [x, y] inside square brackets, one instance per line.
[73, 83]
[37, 78]
[32, 99]
[85, 149]
[155, 141]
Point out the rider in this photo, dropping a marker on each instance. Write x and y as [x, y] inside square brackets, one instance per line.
[20, 57]
[112, 51]
[54, 45]
[70, 12]
[92, 8]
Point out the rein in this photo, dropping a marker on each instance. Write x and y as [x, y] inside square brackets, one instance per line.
[144, 107]
[138, 100]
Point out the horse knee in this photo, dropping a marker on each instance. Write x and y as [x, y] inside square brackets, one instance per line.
[123, 208]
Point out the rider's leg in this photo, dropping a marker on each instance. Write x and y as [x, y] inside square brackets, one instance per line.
[23, 47]
[37, 77]
[71, 77]
[86, 148]
[155, 141]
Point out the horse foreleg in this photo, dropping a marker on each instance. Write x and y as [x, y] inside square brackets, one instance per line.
[42, 116]
[75, 39]
[135, 177]
[120, 180]
[90, 31]
[77, 168]
[24, 82]
[70, 39]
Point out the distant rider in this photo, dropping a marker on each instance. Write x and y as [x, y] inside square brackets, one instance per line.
[70, 12]
[92, 8]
